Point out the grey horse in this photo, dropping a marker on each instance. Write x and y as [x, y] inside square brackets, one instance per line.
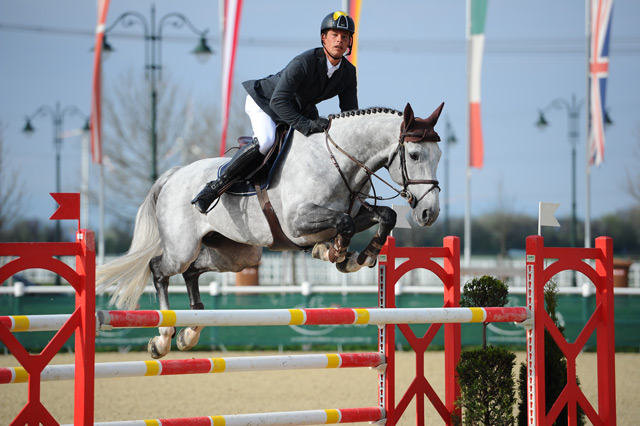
[319, 195]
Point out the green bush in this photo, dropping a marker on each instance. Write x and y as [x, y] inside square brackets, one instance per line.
[487, 393]
[486, 291]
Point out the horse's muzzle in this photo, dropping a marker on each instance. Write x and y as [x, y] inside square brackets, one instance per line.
[428, 216]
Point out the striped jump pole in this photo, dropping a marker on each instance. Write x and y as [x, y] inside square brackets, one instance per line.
[341, 316]
[18, 323]
[311, 417]
[201, 366]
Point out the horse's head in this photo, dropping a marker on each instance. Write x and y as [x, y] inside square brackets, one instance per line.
[414, 164]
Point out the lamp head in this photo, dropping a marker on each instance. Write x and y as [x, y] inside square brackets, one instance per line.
[202, 51]
[542, 122]
[28, 128]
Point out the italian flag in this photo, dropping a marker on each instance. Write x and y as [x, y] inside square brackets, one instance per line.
[476, 17]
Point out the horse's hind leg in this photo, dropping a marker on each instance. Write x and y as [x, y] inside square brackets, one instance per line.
[160, 345]
[188, 337]
[226, 256]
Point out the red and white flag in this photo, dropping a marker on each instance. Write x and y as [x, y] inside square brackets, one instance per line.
[96, 95]
[599, 32]
[476, 17]
[231, 28]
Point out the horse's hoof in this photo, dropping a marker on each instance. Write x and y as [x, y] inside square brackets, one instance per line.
[181, 340]
[350, 264]
[153, 350]
[319, 251]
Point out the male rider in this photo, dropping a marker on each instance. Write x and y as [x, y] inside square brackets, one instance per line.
[290, 97]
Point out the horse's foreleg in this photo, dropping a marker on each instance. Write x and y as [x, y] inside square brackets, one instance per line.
[385, 217]
[336, 252]
[188, 337]
[160, 345]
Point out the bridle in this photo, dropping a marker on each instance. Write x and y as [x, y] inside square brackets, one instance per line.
[406, 180]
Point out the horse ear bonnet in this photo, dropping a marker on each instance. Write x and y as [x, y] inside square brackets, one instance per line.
[418, 129]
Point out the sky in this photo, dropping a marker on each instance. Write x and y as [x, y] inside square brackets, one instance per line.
[410, 51]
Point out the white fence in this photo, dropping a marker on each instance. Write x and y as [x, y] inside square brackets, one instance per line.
[295, 268]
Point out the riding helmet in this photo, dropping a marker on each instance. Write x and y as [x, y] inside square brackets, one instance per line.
[338, 20]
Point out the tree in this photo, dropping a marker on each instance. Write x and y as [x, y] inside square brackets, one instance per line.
[484, 292]
[11, 191]
[186, 131]
[485, 375]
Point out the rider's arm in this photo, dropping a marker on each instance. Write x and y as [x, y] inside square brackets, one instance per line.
[282, 100]
[349, 97]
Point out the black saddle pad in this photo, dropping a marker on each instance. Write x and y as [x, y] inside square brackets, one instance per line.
[263, 176]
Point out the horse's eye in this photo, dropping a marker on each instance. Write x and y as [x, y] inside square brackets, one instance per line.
[414, 156]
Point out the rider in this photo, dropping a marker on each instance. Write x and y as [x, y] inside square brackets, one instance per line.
[290, 97]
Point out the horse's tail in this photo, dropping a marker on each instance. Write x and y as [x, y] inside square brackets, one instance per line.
[129, 274]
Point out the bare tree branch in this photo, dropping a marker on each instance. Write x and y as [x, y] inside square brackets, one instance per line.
[186, 131]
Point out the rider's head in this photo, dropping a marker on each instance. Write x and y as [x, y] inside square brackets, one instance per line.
[336, 33]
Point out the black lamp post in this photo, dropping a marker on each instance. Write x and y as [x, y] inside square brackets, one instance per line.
[153, 57]
[573, 111]
[449, 139]
[57, 115]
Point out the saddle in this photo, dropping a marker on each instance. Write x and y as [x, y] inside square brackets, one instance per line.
[262, 175]
[259, 181]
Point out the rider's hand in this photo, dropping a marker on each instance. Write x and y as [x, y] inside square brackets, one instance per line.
[318, 125]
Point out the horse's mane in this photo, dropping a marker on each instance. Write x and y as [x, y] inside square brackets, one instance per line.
[373, 110]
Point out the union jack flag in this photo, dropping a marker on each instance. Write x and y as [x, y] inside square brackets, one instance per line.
[600, 29]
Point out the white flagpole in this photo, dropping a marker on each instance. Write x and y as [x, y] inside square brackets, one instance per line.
[467, 210]
[587, 213]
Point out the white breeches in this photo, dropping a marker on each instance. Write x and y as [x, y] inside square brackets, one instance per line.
[264, 128]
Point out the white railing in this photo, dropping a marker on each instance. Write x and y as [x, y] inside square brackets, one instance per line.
[279, 269]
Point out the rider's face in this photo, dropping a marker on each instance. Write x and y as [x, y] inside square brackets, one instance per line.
[336, 42]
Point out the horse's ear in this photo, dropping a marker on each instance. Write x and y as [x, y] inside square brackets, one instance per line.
[408, 115]
[433, 118]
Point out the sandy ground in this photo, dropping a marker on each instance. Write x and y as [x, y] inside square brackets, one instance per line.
[252, 392]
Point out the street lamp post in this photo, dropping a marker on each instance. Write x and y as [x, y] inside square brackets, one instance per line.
[153, 58]
[573, 111]
[449, 139]
[57, 115]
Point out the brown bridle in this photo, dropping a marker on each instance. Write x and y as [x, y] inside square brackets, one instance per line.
[406, 180]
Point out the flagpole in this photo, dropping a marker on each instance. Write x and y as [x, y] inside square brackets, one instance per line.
[587, 213]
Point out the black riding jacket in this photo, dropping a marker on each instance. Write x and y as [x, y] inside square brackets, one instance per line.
[291, 95]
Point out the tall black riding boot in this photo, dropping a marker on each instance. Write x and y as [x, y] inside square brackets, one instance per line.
[243, 162]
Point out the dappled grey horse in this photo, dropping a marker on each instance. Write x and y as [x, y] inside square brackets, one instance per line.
[319, 194]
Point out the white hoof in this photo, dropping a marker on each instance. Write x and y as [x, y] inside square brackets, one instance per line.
[188, 338]
[321, 251]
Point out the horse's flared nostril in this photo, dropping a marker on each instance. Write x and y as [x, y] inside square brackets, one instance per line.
[429, 216]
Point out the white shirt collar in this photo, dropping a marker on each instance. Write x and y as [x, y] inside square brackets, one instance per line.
[332, 68]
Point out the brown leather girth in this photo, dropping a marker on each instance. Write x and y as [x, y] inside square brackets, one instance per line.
[280, 241]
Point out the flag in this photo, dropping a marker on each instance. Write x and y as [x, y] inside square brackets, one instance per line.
[68, 206]
[546, 215]
[476, 17]
[231, 28]
[96, 98]
[352, 7]
[599, 35]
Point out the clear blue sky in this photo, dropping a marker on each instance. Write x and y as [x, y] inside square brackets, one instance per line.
[410, 51]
